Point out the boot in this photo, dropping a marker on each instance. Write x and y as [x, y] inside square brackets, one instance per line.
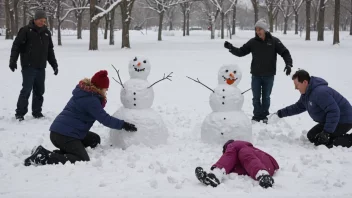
[38, 115]
[266, 181]
[206, 178]
[39, 156]
[19, 117]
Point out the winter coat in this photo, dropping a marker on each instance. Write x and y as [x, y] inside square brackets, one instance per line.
[242, 158]
[82, 110]
[264, 54]
[35, 46]
[324, 105]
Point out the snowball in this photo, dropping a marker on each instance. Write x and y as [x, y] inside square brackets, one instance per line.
[136, 94]
[230, 75]
[226, 98]
[219, 127]
[151, 130]
[139, 68]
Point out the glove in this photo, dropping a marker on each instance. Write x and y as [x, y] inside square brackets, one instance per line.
[13, 66]
[288, 69]
[323, 137]
[129, 127]
[228, 45]
[279, 114]
[56, 71]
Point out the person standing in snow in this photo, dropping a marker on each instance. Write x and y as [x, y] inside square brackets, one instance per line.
[243, 158]
[264, 48]
[70, 130]
[326, 106]
[33, 42]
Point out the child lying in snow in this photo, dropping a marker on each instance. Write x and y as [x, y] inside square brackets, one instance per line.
[242, 158]
[70, 130]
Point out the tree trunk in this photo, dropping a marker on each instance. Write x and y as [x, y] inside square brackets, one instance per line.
[296, 22]
[79, 26]
[187, 24]
[170, 25]
[112, 24]
[256, 11]
[106, 27]
[234, 20]
[337, 23]
[51, 24]
[15, 11]
[308, 5]
[126, 12]
[285, 24]
[9, 34]
[222, 25]
[315, 19]
[184, 23]
[351, 22]
[276, 23]
[59, 33]
[24, 14]
[161, 17]
[321, 21]
[93, 36]
[271, 21]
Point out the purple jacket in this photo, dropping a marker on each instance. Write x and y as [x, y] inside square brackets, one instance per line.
[324, 105]
[242, 158]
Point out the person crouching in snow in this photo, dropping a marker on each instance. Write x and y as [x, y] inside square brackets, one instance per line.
[70, 130]
[244, 159]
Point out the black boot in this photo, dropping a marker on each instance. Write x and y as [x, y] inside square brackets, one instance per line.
[19, 117]
[206, 178]
[39, 156]
[266, 181]
[38, 115]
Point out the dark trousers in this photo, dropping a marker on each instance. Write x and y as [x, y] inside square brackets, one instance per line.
[33, 79]
[338, 138]
[72, 149]
[261, 89]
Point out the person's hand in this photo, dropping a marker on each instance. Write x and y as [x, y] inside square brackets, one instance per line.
[288, 69]
[273, 118]
[323, 137]
[13, 66]
[56, 71]
[129, 127]
[228, 45]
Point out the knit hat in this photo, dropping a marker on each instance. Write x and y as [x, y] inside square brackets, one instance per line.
[100, 79]
[261, 23]
[40, 14]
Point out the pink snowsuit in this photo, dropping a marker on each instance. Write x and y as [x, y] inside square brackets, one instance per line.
[242, 158]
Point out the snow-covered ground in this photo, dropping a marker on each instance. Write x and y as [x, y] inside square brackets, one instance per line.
[168, 170]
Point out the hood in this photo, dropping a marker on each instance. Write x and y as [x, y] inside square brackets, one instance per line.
[80, 93]
[314, 83]
[86, 88]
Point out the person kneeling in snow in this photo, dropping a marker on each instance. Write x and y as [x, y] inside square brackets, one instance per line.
[244, 159]
[70, 130]
[326, 106]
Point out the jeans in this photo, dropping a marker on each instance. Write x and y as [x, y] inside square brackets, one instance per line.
[261, 89]
[72, 149]
[337, 138]
[32, 79]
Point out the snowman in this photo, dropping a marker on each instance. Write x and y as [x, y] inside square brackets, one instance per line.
[227, 121]
[137, 96]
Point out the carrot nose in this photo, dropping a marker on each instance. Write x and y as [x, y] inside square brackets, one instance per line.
[139, 64]
[232, 75]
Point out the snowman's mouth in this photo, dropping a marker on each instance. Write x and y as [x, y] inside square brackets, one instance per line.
[229, 81]
[139, 70]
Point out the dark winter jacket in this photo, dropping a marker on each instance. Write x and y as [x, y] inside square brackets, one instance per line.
[80, 113]
[324, 104]
[264, 54]
[35, 46]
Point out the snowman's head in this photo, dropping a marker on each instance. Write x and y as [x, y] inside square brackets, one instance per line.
[230, 75]
[139, 67]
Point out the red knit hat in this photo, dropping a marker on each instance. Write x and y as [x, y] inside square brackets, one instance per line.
[100, 79]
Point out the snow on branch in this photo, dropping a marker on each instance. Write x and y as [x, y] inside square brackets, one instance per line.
[70, 10]
[104, 12]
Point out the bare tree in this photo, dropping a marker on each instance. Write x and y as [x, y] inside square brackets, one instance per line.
[234, 18]
[185, 10]
[160, 6]
[272, 7]
[112, 24]
[285, 9]
[315, 4]
[79, 14]
[321, 21]
[15, 13]
[24, 13]
[348, 8]
[8, 14]
[170, 16]
[255, 4]
[337, 22]
[211, 12]
[296, 6]
[126, 11]
[308, 23]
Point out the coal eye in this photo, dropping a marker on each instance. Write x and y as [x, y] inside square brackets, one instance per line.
[145, 61]
[135, 59]
[234, 72]
[226, 71]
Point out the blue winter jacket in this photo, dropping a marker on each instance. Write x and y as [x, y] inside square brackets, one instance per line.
[324, 105]
[80, 113]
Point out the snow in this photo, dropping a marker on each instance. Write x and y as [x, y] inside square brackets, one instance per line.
[168, 170]
[136, 94]
[139, 68]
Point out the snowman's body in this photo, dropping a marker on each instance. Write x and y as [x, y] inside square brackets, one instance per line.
[137, 98]
[227, 121]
